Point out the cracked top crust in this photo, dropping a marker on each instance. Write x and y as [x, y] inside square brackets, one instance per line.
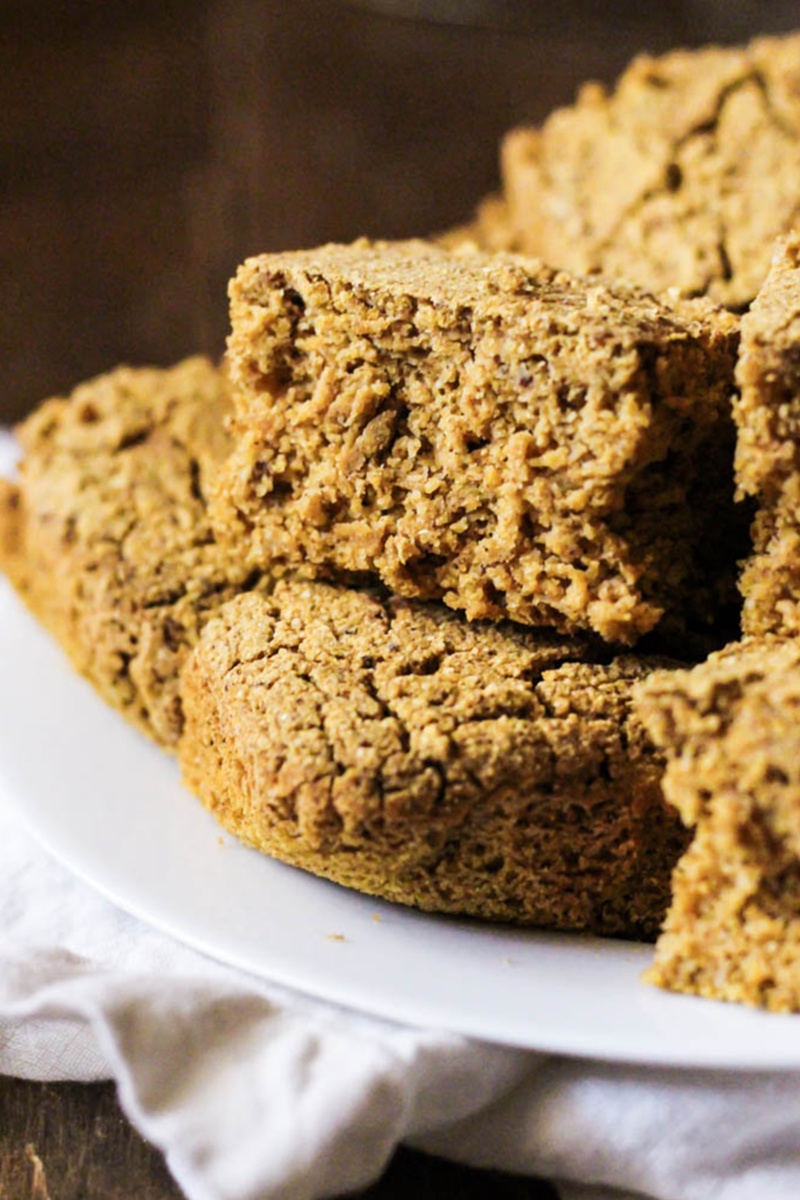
[362, 713]
[682, 176]
[106, 535]
[482, 430]
[392, 747]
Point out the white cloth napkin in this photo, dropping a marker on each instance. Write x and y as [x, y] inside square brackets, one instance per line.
[256, 1093]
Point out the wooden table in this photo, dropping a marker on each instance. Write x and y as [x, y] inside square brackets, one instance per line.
[71, 1142]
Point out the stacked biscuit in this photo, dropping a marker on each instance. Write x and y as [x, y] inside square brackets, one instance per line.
[404, 584]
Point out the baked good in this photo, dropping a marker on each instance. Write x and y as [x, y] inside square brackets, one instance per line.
[106, 534]
[481, 430]
[767, 415]
[490, 229]
[731, 731]
[682, 176]
[395, 748]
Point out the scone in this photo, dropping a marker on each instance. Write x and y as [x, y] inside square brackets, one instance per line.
[731, 731]
[106, 535]
[393, 747]
[481, 430]
[682, 176]
[767, 415]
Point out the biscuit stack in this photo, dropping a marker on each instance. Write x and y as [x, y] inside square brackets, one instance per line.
[405, 582]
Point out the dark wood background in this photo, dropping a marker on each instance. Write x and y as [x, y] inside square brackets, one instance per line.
[71, 1142]
[147, 146]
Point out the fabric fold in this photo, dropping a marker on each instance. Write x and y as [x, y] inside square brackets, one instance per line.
[257, 1093]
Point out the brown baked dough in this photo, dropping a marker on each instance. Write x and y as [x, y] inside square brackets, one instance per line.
[481, 430]
[394, 748]
[682, 176]
[106, 535]
[731, 731]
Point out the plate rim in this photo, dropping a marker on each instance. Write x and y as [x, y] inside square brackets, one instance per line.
[298, 978]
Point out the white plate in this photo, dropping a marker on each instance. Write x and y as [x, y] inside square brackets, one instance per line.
[111, 807]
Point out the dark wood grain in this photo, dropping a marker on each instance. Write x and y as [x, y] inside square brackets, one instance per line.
[71, 1142]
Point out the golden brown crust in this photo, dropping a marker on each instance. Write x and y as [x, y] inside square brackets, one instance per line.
[731, 732]
[106, 536]
[481, 430]
[392, 747]
[682, 176]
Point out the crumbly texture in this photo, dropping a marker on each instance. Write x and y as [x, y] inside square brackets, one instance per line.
[484, 431]
[682, 176]
[106, 535]
[767, 415]
[394, 748]
[731, 732]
